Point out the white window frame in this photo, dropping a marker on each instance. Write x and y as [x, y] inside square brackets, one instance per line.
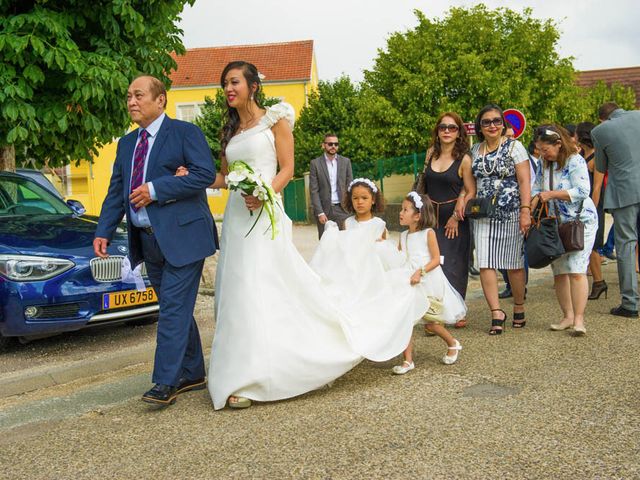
[196, 105]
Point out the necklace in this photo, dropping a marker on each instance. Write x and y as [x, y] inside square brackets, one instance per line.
[483, 164]
[247, 126]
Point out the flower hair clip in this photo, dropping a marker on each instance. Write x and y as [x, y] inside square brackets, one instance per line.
[415, 198]
[366, 181]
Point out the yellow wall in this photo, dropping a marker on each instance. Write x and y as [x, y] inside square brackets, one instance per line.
[89, 183]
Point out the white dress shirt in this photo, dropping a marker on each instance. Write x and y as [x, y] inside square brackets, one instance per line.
[332, 166]
[141, 217]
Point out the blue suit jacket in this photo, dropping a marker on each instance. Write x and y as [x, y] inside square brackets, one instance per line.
[181, 219]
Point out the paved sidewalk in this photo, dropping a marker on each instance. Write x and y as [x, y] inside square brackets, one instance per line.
[528, 404]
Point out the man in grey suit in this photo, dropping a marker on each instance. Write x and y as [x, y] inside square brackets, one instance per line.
[617, 143]
[329, 178]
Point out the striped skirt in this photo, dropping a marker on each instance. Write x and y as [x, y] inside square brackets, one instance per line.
[499, 244]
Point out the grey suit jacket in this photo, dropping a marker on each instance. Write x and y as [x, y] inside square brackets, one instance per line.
[320, 184]
[617, 144]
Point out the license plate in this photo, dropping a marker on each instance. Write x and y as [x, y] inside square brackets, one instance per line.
[128, 298]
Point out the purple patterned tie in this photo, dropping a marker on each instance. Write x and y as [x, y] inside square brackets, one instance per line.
[138, 163]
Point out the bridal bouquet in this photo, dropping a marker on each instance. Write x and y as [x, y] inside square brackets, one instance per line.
[242, 177]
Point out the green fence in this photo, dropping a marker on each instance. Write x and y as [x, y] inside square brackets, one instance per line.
[295, 200]
[294, 195]
[385, 167]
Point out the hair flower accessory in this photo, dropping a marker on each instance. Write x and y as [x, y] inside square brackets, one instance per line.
[415, 198]
[366, 181]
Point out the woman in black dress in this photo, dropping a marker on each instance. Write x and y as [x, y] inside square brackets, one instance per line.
[449, 182]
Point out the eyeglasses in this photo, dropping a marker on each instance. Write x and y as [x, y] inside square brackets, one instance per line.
[497, 122]
[452, 127]
[331, 144]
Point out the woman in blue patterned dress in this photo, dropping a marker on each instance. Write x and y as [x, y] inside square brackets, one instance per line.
[570, 199]
[501, 168]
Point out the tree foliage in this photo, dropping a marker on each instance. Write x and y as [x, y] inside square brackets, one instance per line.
[65, 67]
[469, 58]
[600, 93]
[332, 108]
[211, 120]
[461, 62]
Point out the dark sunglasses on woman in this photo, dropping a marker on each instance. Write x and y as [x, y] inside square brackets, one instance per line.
[486, 122]
[443, 127]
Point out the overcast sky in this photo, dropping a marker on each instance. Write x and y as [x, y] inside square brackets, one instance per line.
[348, 33]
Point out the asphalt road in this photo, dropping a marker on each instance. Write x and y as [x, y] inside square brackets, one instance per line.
[528, 404]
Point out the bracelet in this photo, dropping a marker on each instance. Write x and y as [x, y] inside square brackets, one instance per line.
[522, 207]
[423, 271]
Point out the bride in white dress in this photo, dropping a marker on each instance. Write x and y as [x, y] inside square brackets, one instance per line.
[281, 330]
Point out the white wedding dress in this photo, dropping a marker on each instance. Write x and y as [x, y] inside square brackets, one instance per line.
[283, 329]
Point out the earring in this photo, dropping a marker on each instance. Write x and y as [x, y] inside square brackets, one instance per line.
[252, 97]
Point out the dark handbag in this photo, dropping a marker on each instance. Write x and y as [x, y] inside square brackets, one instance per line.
[543, 244]
[480, 207]
[572, 233]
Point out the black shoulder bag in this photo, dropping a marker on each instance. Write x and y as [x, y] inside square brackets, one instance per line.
[543, 244]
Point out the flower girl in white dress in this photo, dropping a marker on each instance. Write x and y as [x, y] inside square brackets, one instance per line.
[420, 247]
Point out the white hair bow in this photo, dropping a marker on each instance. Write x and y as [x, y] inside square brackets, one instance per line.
[417, 201]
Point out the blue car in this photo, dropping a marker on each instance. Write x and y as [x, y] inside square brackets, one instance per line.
[50, 280]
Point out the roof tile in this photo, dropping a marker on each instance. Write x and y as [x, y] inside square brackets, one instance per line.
[278, 62]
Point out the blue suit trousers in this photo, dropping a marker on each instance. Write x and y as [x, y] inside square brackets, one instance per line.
[178, 348]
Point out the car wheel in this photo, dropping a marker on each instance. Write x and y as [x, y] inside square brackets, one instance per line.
[5, 342]
[143, 321]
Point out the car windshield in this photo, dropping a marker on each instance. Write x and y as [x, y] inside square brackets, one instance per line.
[22, 196]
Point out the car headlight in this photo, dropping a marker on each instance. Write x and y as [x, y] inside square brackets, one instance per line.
[26, 268]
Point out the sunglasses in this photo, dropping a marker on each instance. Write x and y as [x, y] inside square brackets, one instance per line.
[452, 127]
[497, 122]
[332, 144]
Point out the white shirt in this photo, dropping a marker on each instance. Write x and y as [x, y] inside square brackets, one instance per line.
[332, 166]
[141, 217]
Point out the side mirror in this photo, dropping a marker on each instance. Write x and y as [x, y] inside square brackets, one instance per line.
[77, 207]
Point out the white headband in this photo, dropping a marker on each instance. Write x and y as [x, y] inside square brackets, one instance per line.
[366, 181]
[416, 199]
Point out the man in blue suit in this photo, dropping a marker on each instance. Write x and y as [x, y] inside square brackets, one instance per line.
[170, 228]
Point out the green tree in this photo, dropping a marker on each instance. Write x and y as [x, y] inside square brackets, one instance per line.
[65, 67]
[471, 57]
[331, 109]
[211, 120]
[599, 93]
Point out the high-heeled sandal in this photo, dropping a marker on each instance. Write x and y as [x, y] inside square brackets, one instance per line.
[597, 289]
[518, 318]
[497, 323]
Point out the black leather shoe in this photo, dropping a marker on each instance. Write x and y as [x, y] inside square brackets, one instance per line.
[164, 395]
[623, 312]
[185, 385]
[506, 293]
